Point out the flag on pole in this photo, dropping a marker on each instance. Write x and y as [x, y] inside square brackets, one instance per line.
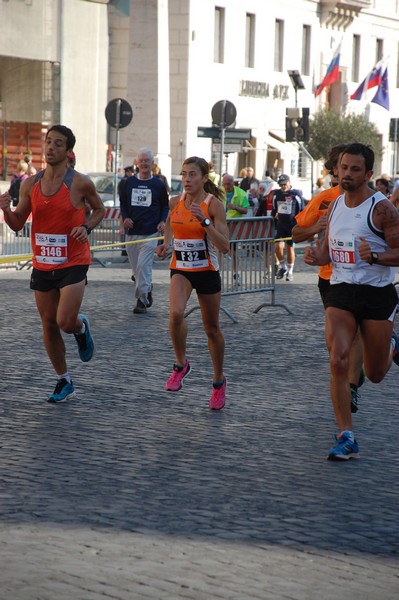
[373, 79]
[332, 74]
[382, 95]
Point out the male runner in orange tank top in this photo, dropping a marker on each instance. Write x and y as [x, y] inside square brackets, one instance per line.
[61, 252]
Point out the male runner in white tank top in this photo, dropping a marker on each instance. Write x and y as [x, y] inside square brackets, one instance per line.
[362, 242]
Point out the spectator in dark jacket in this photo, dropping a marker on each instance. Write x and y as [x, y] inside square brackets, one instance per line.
[249, 181]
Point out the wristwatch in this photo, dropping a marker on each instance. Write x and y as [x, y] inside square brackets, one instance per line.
[373, 258]
[88, 229]
[206, 223]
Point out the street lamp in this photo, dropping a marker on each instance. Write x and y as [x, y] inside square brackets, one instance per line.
[297, 83]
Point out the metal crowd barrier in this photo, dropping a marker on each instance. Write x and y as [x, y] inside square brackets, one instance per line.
[15, 245]
[106, 233]
[247, 269]
[16, 250]
[249, 266]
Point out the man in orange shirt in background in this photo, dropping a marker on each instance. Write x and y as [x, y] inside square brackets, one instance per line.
[312, 221]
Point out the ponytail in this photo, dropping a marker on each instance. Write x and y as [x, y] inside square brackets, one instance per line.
[211, 188]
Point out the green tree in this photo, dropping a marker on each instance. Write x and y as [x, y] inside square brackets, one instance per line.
[328, 128]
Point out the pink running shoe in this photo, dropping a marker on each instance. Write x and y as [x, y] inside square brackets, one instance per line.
[175, 381]
[218, 398]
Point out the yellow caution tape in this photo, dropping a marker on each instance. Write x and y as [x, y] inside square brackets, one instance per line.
[93, 248]
[23, 257]
[14, 258]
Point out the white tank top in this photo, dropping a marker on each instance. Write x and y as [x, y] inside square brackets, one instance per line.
[346, 225]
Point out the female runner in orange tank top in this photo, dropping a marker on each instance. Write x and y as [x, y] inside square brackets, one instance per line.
[197, 225]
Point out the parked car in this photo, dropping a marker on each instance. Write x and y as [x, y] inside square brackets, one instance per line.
[104, 183]
[176, 185]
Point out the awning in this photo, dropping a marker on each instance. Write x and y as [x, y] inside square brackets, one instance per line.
[276, 142]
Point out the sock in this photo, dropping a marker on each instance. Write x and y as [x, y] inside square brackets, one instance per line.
[179, 368]
[283, 265]
[290, 268]
[349, 434]
[81, 331]
[218, 384]
[65, 376]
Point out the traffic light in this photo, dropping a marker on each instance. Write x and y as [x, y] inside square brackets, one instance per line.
[297, 124]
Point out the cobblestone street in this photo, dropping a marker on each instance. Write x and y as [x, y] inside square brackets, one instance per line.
[132, 492]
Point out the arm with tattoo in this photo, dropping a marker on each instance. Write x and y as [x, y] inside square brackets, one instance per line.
[386, 218]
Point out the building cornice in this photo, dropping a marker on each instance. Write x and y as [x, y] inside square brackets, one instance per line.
[339, 14]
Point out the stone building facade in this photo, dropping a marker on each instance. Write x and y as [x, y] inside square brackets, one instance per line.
[172, 60]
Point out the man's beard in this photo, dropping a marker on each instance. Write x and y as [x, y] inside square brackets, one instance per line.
[349, 186]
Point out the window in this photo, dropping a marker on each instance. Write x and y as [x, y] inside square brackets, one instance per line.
[278, 45]
[306, 33]
[304, 165]
[250, 41]
[379, 49]
[355, 57]
[218, 42]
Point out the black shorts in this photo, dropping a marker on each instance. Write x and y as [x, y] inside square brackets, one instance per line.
[324, 286]
[366, 302]
[44, 281]
[284, 231]
[203, 282]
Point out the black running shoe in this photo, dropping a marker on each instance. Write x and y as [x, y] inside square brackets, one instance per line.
[149, 298]
[281, 272]
[139, 308]
[354, 400]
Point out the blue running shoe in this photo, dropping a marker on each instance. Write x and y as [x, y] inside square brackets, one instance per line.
[395, 340]
[62, 391]
[85, 341]
[345, 448]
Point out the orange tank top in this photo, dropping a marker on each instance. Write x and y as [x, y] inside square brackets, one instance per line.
[53, 218]
[192, 249]
[312, 213]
